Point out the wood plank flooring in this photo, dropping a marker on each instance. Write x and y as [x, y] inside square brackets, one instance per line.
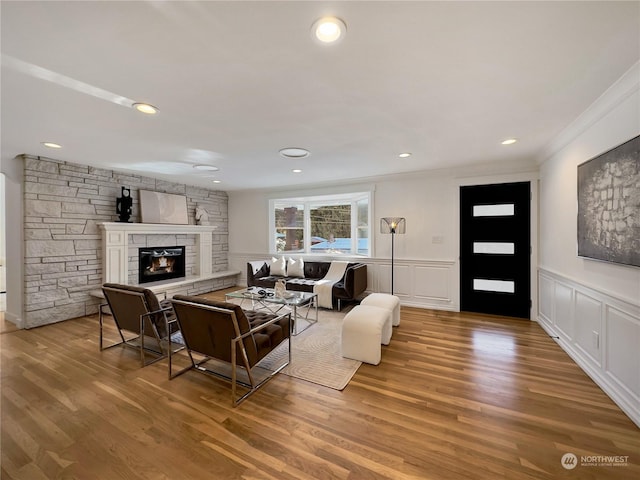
[457, 396]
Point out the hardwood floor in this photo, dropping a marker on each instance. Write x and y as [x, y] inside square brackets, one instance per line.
[456, 396]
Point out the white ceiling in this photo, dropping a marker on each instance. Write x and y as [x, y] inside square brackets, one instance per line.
[237, 81]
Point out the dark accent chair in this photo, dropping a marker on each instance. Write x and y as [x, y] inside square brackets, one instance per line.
[136, 310]
[224, 334]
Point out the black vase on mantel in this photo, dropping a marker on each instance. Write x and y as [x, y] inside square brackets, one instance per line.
[123, 205]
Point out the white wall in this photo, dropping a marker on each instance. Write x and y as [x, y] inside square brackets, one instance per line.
[248, 220]
[558, 248]
[3, 276]
[13, 170]
[592, 307]
[426, 257]
[428, 202]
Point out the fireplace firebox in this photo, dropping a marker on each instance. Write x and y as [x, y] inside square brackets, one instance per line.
[160, 263]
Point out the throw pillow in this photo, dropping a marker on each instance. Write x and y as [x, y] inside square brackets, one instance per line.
[295, 268]
[278, 266]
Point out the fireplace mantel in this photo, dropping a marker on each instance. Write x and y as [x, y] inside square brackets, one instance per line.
[155, 228]
[115, 243]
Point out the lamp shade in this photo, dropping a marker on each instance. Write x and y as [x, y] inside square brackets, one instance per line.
[393, 225]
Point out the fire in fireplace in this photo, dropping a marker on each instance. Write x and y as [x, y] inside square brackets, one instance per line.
[160, 263]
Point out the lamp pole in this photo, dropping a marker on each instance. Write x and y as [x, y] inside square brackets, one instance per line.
[393, 234]
[392, 225]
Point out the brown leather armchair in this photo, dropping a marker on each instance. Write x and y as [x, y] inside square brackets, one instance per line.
[221, 333]
[136, 310]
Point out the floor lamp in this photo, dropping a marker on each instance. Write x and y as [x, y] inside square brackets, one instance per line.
[392, 225]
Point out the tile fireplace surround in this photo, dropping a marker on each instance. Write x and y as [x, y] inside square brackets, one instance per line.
[116, 243]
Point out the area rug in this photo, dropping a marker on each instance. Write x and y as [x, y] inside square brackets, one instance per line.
[315, 354]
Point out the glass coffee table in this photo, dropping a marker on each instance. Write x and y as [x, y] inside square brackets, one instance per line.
[265, 299]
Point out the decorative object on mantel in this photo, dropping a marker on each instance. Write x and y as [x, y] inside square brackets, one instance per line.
[392, 225]
[157, 207]
[609, 205]
[123, 205]
[202, 217]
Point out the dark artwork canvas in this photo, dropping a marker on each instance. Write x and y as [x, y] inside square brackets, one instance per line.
[609, 205]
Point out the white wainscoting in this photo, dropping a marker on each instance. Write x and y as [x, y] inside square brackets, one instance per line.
[418, 283]
[600, 332]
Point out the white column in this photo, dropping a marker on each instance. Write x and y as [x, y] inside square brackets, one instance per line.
[204, 244]
[115, 248]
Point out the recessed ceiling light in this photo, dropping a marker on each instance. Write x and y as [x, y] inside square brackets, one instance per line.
[296, 170]
[404, 155]
[51, 145]
[510, 141]
[294, 152]
[216, 181]
[145, 108]
[329, 29]
[209, 168]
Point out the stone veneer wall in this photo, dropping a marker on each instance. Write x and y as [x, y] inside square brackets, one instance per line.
[63, 203]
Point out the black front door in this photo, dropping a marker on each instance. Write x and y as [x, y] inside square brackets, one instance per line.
[495, 249]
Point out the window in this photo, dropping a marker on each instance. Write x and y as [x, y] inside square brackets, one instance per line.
[498, 210]
[505, 286]
[329, 224]
[496, 248]
[289, 227]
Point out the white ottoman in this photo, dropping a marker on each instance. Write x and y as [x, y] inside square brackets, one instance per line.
[384, 300]
[362, 333]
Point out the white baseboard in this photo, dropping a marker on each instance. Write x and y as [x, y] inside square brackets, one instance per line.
[17, 321]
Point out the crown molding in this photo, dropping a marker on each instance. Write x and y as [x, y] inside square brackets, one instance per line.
[615, 95]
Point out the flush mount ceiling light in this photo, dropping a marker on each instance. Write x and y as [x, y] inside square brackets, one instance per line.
[216, 181]
[509, 141]
[328, 29]
[51, 145]
[405, 155]
[294, 152]
[296, 170]
[145, 108]
[208, 168]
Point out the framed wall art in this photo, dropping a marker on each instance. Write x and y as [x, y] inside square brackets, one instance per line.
[609, 205]
[157, 207]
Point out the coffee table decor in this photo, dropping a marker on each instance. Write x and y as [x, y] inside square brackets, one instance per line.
[266, 298]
